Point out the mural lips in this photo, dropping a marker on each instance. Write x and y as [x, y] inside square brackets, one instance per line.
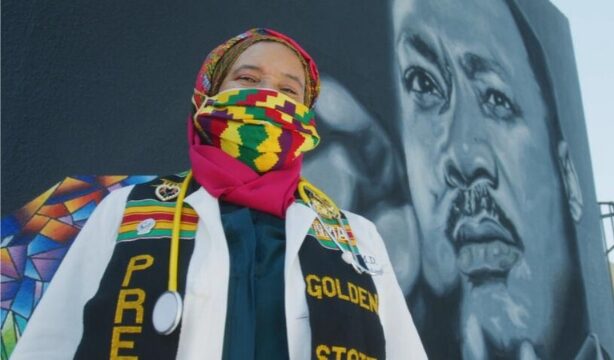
[486, 242]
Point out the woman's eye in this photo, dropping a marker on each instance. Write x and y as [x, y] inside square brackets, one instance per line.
[248, 79]
[499, 105]
[423, 86]
[289, 91]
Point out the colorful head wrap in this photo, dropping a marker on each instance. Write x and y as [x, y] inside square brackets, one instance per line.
[220, 60]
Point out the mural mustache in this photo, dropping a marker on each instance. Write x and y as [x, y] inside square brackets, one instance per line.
[486, 242]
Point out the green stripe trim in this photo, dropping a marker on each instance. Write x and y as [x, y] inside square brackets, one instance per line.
[150, 202]
[329, 244]
[332, 246]
[162, 233]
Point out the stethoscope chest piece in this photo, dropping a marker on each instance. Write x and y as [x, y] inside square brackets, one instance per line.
[167, 312]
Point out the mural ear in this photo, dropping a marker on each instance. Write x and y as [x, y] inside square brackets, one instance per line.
[570, 181]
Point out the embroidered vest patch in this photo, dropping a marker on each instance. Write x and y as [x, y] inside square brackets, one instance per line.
[343, 305]
[151, 219]
[319, 233]
[117, 321]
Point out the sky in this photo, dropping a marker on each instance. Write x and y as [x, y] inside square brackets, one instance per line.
[592, 31]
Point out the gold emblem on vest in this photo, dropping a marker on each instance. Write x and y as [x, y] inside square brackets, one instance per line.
[321, 203]
[168, 190]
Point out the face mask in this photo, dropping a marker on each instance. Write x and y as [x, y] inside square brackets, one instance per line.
[262, 128]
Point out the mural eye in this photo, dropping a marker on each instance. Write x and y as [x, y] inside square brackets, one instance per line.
[418, 80]
[423, 87]
[499, 105]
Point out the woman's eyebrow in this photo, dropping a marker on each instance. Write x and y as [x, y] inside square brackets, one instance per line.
[247, 67]
[294, 78]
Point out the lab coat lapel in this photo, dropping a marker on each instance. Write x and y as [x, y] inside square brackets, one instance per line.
[204, 315]
[298, 220]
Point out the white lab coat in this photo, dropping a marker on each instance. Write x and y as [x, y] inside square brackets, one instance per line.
[56, 326]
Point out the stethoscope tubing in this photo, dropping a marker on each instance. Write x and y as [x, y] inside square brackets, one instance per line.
[173, 261]
[170, 302]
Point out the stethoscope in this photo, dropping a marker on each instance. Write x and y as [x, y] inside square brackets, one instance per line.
[169, 306]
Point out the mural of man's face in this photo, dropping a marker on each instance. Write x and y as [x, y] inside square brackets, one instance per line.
[483, 178]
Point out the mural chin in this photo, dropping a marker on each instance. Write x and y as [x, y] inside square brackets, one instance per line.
[513, 312]
[489, 257]
[492, 321]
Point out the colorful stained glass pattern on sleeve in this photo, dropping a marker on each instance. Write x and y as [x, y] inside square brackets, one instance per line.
[35, 239]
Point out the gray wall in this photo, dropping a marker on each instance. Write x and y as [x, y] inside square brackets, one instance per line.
[92, 88]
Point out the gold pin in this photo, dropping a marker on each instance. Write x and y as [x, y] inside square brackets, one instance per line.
[321, 203]
[168, 190]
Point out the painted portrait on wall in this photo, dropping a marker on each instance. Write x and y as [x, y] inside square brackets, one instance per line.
[494, 188]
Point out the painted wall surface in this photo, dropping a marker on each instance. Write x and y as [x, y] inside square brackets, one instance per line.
[491, 146]
[456, 126]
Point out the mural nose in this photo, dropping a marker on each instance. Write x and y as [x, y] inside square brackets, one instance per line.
[469, 157]
[470, 160]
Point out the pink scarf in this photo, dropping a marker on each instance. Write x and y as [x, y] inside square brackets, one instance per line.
[229, 179]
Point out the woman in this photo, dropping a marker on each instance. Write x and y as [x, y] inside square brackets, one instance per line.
[238, 258]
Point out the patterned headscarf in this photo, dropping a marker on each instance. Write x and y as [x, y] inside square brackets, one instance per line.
[220, 60]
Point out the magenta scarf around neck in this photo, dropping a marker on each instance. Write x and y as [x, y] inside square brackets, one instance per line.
[229, 179]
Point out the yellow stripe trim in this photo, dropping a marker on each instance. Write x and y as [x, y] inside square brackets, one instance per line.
[161, 209]
[166, 225]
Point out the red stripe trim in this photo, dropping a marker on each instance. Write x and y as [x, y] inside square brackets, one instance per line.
[158, 216]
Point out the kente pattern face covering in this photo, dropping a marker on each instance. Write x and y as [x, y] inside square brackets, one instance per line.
[262, 128]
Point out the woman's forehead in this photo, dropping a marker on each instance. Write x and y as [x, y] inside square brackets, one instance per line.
[271, 56]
